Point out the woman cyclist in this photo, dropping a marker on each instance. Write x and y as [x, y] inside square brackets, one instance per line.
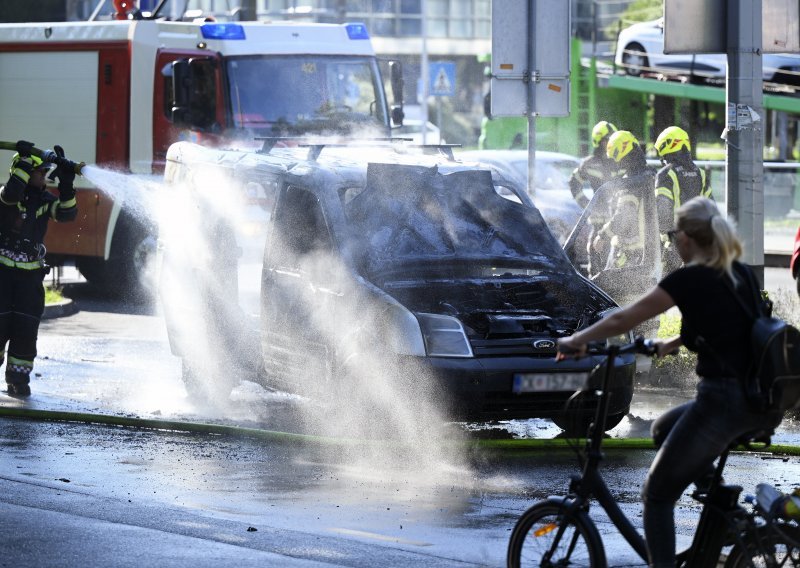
[691, 436]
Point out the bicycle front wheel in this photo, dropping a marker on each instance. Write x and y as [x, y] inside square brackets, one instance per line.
[546, 536]
[767, 547]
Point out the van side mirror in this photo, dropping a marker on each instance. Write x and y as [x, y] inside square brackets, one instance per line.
[194, 93]
[396, 79]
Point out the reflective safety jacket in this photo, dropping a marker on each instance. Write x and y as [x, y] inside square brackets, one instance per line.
[677, 183]
[627, 227]
[594, 170]
[24, 214]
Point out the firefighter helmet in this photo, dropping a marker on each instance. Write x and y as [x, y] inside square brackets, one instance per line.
[602, 130]
[620, 145]
[37, 162]
[671, 140]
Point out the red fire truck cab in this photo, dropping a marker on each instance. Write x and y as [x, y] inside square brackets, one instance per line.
[117, 93]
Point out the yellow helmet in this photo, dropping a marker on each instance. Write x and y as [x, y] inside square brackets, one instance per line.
[37, 162]
[620, 145]
[671, 140]
[600, 131]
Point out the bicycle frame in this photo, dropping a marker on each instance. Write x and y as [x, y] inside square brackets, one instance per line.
[719, 503]
[590, 482]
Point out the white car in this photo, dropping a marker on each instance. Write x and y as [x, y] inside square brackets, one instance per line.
[553, 170]
[412, 128]
[640, 49]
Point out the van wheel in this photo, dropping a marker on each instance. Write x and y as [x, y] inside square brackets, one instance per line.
[130, 270]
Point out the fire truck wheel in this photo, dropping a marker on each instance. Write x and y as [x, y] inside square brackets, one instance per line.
[130, 270]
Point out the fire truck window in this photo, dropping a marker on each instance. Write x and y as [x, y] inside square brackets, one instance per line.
[204, 93]
[291, 90]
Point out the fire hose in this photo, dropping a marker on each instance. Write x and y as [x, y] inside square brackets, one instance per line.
[48, 156]
[507, 448]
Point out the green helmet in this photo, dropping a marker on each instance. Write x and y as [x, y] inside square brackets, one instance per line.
[671, 140]
[601, 130]
[620, 145]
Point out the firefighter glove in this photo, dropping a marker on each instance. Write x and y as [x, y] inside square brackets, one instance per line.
[65, 171]
[22, 167]
[24, 148]
[66, 192]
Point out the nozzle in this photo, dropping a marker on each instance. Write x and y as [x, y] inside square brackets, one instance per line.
[47, 156]
[52, 157]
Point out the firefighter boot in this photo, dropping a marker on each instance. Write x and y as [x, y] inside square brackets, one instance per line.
[18, 383]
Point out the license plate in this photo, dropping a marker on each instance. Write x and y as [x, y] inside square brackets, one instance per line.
[548, 382]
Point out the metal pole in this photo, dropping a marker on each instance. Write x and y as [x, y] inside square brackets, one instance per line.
[532, 76]
[424, 72]
[745, 137]
[438, 119]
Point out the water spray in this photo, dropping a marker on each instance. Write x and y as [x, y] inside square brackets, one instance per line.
[48, 156]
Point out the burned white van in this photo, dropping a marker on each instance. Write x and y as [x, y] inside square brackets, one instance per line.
[395, 262]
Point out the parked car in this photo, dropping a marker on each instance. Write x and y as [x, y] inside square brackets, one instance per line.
[552, 195]
[794, 266]
[412, 129]
[640, 49]
[410, 267]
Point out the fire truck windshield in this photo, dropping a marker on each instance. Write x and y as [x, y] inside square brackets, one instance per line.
[286, 94]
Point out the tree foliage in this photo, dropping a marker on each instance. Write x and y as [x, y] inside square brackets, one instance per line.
[642, 11]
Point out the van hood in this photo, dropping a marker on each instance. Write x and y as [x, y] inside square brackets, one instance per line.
[412, 216]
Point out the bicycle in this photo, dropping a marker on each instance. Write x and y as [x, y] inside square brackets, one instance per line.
[558, 531]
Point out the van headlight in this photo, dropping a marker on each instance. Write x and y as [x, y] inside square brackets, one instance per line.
[622, 338]
[444, 336]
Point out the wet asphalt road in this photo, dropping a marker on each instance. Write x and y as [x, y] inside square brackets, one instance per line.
[78, 494]
[74, 494]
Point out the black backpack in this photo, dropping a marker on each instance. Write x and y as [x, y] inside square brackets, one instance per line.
[773, 380]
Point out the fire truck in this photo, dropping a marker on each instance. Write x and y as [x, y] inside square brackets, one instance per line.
[118, 93]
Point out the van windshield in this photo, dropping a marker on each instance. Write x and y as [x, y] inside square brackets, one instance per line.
[413, 215]
[290, 95]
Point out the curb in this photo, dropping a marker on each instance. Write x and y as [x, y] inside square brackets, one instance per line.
[65, 307]
[505, 448]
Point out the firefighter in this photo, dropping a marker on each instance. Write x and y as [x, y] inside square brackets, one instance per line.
[676, 183]
[625, 232]
[25, 209]
[595, 169]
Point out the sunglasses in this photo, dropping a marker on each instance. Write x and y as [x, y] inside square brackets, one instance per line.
[672, 233]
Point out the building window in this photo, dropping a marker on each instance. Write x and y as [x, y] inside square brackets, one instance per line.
[403, 18]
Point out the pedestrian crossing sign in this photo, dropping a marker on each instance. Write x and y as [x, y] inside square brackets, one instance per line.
[442, 78]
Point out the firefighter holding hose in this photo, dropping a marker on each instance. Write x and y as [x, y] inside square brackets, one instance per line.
[26, 206]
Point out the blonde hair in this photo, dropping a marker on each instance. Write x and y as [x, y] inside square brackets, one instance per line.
[701, 220]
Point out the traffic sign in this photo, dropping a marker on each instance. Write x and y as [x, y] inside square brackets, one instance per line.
[525, 33]
[442, 78]
[699, 26]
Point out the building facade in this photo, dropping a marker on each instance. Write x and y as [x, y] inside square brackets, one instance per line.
[457, 31]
